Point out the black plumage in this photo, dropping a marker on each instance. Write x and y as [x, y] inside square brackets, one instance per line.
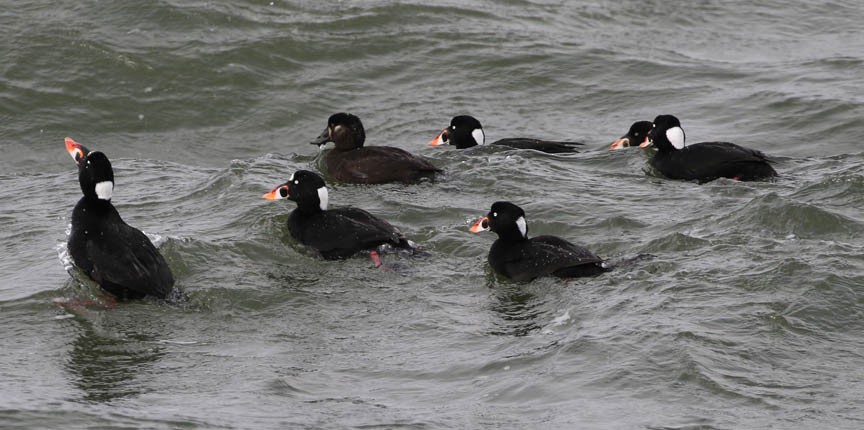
[117, 256]
[703, 161]
[466, 131]
[520, 258]
[332, 233]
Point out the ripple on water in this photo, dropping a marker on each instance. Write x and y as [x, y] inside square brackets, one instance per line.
[783, 216]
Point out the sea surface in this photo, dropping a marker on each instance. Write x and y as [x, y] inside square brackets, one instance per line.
[751, 316]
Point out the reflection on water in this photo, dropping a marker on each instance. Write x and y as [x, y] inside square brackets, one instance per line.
[106, 362]
[518, 310]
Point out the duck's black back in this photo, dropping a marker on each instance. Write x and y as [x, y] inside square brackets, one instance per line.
[120, 258]
[711, 160]
[342, 232]
[547, 146]
[378, 165]
[543, 255]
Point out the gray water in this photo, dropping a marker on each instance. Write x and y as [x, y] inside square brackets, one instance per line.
[750, 317]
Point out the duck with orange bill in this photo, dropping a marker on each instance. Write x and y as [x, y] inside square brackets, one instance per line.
[521, 258]
[334, 233]
[117, 256]
[703, 161]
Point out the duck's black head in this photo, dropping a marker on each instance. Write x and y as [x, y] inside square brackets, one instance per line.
[305, 188]
[667, 134]
[505, 219]
[636, 136]
[465, 131]
[95, 174]
[344, 130]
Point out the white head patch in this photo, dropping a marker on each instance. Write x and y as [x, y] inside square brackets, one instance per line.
[478, 136]
[522, 225]
[676, 137]
[104, 190]
[323, 198]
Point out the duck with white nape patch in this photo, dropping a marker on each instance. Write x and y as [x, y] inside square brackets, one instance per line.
[703, 161]
[334, 233]
[520, 258]
[465, 131]
[117, 256]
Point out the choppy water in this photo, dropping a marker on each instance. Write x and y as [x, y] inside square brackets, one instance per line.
[749, 317]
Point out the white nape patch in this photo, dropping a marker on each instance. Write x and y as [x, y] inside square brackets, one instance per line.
[479, 136]
[104, 190]
[676, 137]
[323, 198]
[522, 225]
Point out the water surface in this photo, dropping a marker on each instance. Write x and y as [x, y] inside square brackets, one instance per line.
[749, 317]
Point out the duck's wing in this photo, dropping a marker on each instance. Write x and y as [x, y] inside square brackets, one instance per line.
[129, 262]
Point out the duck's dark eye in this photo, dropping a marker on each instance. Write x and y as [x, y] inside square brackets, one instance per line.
[283, 192]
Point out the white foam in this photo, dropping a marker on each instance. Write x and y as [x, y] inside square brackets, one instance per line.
[557, 322]
[63, 253]
[157, 239]
[178, 342]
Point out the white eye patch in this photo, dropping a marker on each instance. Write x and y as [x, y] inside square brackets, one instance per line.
[104, 190]
[479, 136]
[323, 198]
[676, 137]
